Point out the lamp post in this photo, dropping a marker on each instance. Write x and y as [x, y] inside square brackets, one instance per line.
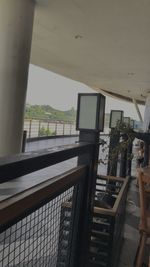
[125, 161]
[116, 117]
[127, 121]
[90, 122]
[129, 152]
[132, 123]
[90, 112]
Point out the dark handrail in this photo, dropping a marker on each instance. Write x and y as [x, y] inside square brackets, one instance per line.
[14, 166]
[34, 139]
[20, 204]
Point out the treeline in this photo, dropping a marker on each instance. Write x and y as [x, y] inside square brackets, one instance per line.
[49, 113]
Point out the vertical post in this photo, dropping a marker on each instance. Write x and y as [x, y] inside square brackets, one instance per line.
[113, 155]
[146, 154]
[56, 128]
[70, 128]
[87, 189]
[39, 128]
[24, 141]
[48, 128]
[90, 122]
[63, 128]
[123, 161]
[30, 127]
[16, 24]
[129, 159]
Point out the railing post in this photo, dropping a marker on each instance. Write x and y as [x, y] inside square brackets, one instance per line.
[123, 161]
[24, 140]
[86, 194]
[112, 162]
[55, 128]
[30, 127]
[48, 128]
[129, 159]
[146, 154]
[90, 122]
[63, 128]
[70, 128]
[39, 128]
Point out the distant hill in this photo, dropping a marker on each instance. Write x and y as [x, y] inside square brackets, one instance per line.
[49, 113]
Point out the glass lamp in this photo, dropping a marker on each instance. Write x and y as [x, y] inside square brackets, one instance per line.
[116, 116]
[132, 123]
[90, 112]
[126, 120]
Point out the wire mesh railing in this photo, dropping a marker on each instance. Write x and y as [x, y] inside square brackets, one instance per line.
[41, 234]
[34, 240]
[38, 128]
[39, 226]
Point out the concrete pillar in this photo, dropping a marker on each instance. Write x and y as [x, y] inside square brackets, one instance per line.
[16, 23]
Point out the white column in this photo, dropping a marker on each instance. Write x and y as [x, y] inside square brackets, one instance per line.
[16, 24]
[146, 124]
[138, 110]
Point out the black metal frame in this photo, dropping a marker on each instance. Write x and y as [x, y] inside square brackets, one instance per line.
[100, 100]
[20, 206]
[83, 179]
[128, 123]
[132, 122]
[121, 111]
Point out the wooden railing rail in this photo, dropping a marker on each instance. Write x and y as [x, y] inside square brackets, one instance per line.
[15, 166]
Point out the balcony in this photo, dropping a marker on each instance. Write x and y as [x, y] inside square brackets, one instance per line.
[57, 221]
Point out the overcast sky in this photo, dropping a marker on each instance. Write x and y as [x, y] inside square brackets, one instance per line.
[45, 87]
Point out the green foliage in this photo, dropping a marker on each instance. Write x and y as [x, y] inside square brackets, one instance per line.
[49, 113]
[46, 132]
[127, 134]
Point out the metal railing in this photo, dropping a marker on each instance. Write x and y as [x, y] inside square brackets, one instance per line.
[39, 231]
[51, 223]
[43, 127]
[41, 225]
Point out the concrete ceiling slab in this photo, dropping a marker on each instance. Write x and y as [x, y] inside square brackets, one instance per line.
[102, 43]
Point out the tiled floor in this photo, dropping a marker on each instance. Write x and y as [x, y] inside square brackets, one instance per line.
[131, 233]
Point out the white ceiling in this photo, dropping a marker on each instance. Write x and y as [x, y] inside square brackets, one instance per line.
[102, 43]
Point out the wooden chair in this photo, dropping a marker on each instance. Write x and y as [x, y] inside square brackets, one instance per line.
[144, 227]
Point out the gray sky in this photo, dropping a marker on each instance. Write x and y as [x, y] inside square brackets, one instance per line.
[45, 87]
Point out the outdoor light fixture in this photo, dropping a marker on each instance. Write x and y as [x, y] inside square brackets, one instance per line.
[116, 116]
[90, 112]
[126, 120]
[132, 124]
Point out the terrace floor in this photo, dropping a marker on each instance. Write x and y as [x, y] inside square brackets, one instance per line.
[131, 233]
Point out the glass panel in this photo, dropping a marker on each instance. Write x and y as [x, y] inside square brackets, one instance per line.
[116, 116]
[126, 120]
[87, 112]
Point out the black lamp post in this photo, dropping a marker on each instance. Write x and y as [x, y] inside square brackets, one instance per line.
[90, 122]
[126, 120]
[116, 117]
[126, 161]
[90, 112]
[132, 123]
